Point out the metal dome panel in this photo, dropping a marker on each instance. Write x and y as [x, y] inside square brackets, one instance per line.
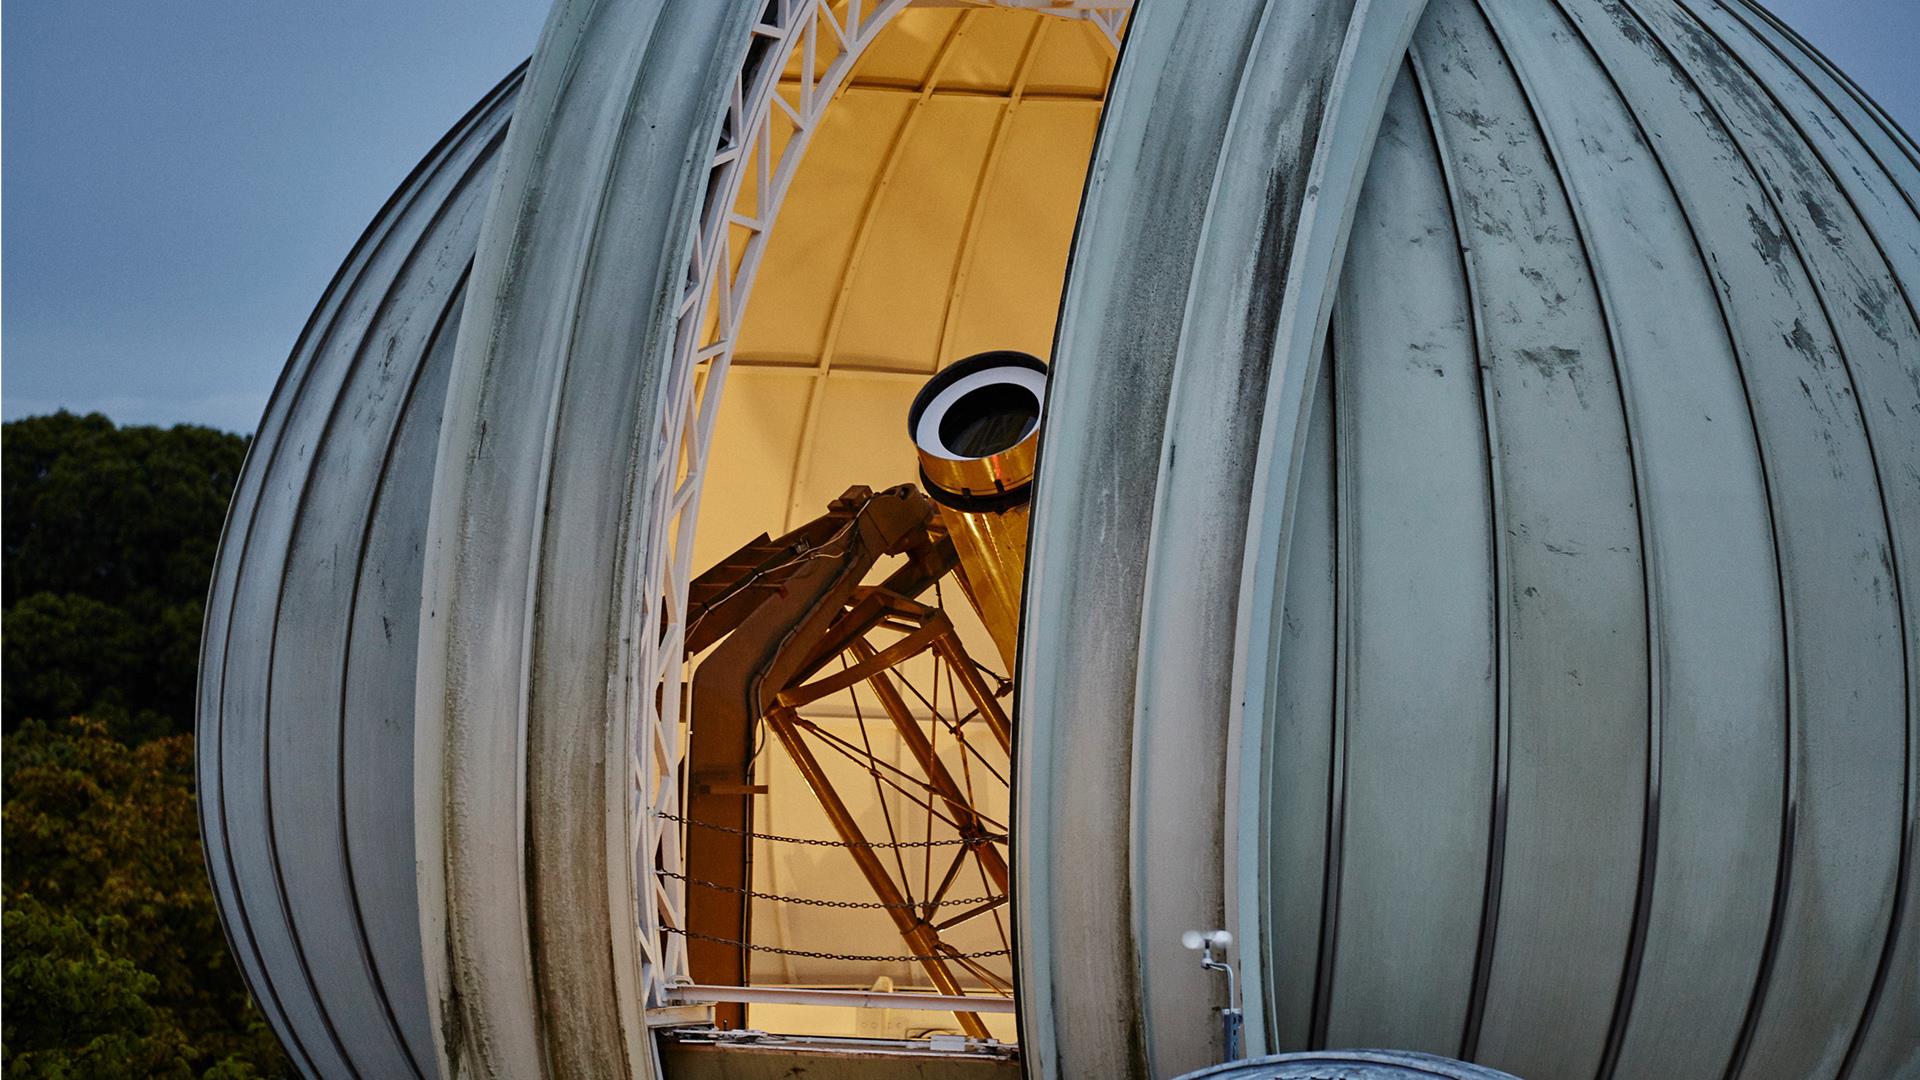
[305, 736]
[1559, 715]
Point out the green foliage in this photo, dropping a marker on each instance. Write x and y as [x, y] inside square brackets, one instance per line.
[115, 964]
[108, 536]
[91, 1013]
[114, 513]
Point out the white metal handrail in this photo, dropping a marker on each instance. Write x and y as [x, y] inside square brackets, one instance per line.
[701, 994]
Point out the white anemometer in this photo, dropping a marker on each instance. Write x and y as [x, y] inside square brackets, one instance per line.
[1205, 942]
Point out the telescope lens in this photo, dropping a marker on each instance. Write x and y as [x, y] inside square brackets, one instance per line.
[988, 420]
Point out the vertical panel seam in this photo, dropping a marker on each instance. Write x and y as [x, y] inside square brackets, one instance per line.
[408, 260]
[702, 136]
[606, 167]
[374, 498]
[1335, 841]
[1866, 220]
[1791, 778]
[1649, 576]
[1904, 854]
[292, 382]
[482, 159]
[1903, 861]
[1616, 1038]
[346, 282]
[1501, 590]
[1024, 1022]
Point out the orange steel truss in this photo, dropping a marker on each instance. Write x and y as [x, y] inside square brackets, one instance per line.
[873, 631]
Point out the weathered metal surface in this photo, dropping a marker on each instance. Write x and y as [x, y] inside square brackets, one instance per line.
[546, 460]
[1414, 485]
[1140, 227]
[1574, 612]
[1835, 928]
[1304, 118]
[527, 875]
[1572, 627]
[1283, 100]
[306, 720]
[1714, 638]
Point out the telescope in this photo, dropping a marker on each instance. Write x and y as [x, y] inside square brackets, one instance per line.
[976, 427]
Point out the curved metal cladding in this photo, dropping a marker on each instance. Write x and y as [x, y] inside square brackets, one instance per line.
[307, 671]
[1520, 654]
[549, 462]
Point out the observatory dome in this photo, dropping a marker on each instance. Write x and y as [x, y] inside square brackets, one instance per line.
[1472, 555]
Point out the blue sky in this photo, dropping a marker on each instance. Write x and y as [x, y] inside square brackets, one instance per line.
[181, 178]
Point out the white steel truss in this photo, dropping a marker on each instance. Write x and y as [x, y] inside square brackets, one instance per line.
[764, 135]
[1108, 15]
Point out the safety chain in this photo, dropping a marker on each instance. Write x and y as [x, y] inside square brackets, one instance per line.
[969, 841]
[865, 905]
[861, 958]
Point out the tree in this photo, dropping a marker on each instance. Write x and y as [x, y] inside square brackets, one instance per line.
[91, 1013]
[115, 964]
[108, 538]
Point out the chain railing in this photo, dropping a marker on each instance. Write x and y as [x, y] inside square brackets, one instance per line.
[863, 958]
[815, 901]
[948, 841]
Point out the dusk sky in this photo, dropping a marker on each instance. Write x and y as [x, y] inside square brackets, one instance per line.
[181, 179]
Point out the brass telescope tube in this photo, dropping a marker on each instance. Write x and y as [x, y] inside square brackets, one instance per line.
[976, 426]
